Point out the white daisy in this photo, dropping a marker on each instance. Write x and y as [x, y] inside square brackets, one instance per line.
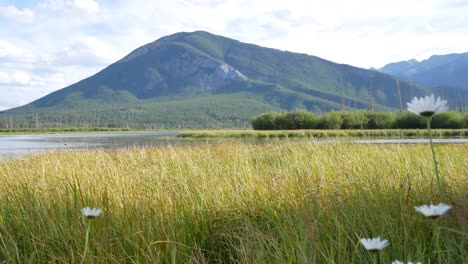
[401, 262]
[427, 106]
[433, 211]
[372, 244]
[91, 212]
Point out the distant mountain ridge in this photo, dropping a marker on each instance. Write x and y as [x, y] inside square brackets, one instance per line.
[198, 79]
[399, 68]
[439, 70]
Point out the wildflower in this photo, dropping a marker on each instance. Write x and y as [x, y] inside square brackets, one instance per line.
[373, 244]
[427, 106]
[91, 213]
[433, 211]
[401, 262]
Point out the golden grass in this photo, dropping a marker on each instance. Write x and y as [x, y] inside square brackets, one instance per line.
[231, 202]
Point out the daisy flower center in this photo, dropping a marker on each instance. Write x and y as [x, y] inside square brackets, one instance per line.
[427, 113]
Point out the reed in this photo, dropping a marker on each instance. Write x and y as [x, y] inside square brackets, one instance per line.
[233, 202]
[320, 134]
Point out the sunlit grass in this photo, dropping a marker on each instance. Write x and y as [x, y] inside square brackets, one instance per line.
[311, 133]
[280, 202]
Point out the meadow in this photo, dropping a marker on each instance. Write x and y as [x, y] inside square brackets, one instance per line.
[233, 202]
[320, 133]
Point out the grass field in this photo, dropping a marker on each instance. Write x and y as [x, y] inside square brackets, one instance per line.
[278, 202]
[360, 133]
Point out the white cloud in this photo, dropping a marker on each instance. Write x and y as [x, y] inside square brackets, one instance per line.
[90, 6]
[54, 5]
[8, 49]
[20, 78]
[87, 51]
[23, 15]
[13, 96]
[19, 87]
[10, 52]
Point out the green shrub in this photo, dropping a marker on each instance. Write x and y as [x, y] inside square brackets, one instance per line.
[354, 120]
[331, 120]
[301, 120]
[408, 120]
[281, 121]
[466, 121]
[450, 119]
[264, 121]
[380, 120]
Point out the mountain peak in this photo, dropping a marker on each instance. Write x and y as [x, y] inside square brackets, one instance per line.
[184, 34]
[437, 70]
[201, 75]
[397, 68]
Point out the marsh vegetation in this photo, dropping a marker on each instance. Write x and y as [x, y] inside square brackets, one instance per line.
[278, 202]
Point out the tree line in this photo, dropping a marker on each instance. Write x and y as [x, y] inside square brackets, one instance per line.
[355, 120]
[120, 120]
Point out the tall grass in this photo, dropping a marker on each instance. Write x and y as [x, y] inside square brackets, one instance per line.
[280, 202]
[358, 133]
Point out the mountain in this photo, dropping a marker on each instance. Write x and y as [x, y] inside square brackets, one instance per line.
[439, 70]
[200, 80]
[399, 68]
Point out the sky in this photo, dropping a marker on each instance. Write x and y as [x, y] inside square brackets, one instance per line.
[46, 45]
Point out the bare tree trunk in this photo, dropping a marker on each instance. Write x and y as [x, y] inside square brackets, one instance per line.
[36, 120]
[371, 97]
[341, 95]
[399, 94]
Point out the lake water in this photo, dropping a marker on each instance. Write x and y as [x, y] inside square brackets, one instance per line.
[17, 145]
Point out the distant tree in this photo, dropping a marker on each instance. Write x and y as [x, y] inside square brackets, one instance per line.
[406, 120]
[466, 121]
[331, 120]
[354, 120]
[450, 119]
[264, 121]
[301, 120]
[380, 120]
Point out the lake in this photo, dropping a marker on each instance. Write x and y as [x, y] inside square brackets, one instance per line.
[16, 145]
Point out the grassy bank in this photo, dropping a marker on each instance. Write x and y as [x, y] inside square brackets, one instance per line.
[379, 133]
[280, 202]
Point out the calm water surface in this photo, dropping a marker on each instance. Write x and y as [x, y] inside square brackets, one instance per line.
[17, 145]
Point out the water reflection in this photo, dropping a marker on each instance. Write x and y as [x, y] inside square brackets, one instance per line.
[17, 145]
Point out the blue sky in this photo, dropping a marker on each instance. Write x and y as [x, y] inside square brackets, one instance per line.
[46, 45]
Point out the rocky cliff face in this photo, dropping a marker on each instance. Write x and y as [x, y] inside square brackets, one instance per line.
[203, 72]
